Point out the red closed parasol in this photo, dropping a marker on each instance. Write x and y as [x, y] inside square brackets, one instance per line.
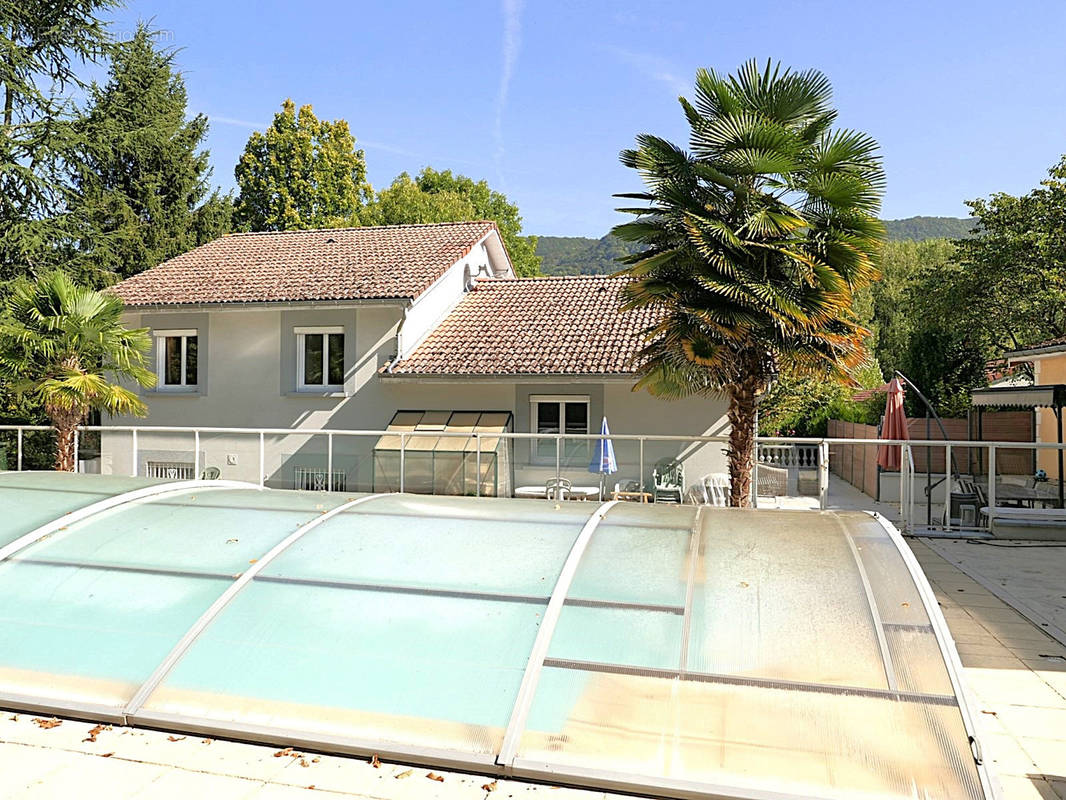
[894, 427]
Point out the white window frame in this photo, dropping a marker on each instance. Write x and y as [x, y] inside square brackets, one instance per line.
[560, 399]
[325, 330]
[161, 337]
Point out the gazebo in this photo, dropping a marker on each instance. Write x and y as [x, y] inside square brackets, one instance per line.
[1051, 396]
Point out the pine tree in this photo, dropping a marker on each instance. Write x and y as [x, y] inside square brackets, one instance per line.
[301, 173]
[42, 42]
[142, 179]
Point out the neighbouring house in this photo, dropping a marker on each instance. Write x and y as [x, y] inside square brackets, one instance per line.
[419, 327]
[1048, 359]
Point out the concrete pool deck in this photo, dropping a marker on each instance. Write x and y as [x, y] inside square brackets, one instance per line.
[1016, 674]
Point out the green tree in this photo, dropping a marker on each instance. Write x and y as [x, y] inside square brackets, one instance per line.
[1011, 279]
[64, 346]
[41, 44]
[754, 243]
[301, 173]
[142, 179]
[441, 196]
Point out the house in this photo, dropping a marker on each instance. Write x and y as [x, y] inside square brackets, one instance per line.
[420, 327]
[1048, 359]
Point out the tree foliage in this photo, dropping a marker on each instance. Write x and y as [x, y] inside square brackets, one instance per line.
[754, 242]
[42, 43]
[300, 173]
[142, 176]
[442, 196]
[64, 346]
[1013, 276]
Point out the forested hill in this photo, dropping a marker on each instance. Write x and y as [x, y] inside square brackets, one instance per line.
[579, 255]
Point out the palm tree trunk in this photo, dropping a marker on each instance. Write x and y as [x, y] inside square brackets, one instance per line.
[743, 406]
[66, 422]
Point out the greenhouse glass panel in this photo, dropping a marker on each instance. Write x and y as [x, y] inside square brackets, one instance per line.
[671, 651]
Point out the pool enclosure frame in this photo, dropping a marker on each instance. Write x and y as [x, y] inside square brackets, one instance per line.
[507, 763]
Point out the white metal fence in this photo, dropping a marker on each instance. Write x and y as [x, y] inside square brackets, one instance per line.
[957, 495]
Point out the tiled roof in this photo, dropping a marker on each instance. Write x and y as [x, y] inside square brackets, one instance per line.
[394, 261]
[1047, 344]
[534, 326]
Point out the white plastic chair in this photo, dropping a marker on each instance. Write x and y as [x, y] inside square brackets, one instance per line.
[717, 487]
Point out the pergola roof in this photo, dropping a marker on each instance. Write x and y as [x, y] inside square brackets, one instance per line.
[1046, 396]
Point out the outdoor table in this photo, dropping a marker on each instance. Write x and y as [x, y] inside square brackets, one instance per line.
[574, 492]
[641, 497]
[1012, 493]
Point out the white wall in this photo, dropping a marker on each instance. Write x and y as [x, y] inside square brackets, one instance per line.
[434, 304]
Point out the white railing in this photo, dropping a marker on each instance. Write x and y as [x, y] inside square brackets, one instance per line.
[916, 487]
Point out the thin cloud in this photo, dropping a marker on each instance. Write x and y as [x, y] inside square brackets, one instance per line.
[512, 42]
[654, 67]
[236, 123]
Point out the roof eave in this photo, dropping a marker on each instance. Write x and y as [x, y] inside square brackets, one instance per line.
[1035, 352]
[260, 305]
[511, 377]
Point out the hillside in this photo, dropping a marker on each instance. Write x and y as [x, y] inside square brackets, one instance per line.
[580, 255]
[919, 229]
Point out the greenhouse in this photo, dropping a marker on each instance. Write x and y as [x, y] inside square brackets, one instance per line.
[674, 651]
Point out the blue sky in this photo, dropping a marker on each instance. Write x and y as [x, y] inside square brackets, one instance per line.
[538, 97]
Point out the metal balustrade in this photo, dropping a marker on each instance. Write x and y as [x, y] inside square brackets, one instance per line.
[927, 500]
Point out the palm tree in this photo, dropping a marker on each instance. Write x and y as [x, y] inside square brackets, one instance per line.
[59, 345]
[753, 243]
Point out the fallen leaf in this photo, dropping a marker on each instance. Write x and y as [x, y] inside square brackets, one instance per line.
[743, 584]
[375, 762]
[312, 786]
[47, 723]
[905, 605]
[232, 541]
[283, 753]
[205, 741]
[175, 738]
[106, 755]
[93, 733]
[304, 762]
[315, 760]
[488, 787]
[252, 560]
[405, 774]
[433, 776]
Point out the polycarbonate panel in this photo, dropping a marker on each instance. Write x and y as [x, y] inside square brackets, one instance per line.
[634, 637]
[89, 612]
[213, 531]
[639, 554]
[778, 595]
[401, 669]
[913, 647]
[455, 544]
[91, 635]
[32, 499]
[750, 738]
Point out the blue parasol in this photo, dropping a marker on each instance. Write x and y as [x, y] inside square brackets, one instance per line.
[603, 461]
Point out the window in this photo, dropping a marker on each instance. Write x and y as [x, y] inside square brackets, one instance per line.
[559, 414]
[176, 357]
[319, 358]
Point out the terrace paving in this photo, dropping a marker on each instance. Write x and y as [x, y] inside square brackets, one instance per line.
[1016, 673]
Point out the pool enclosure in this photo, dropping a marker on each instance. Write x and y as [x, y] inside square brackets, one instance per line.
[674, 651]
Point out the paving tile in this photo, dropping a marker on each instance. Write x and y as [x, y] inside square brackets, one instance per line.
[89, 777]
[181, 784]
[1049, 755]
[1023, 787]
